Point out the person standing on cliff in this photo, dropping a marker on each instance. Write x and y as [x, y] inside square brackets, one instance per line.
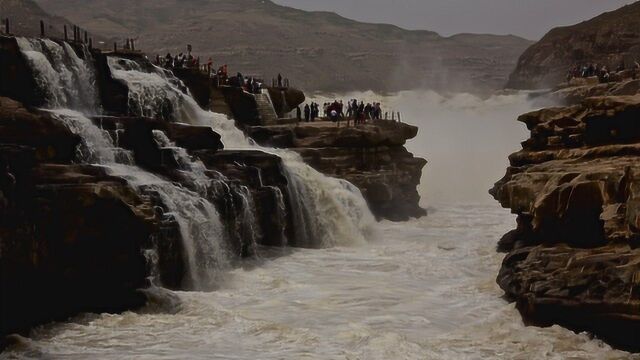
[307, 112]
[298, 113]
[279, 80]
[209, 66]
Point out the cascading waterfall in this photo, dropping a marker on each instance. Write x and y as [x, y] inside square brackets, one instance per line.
[67, 82]
[327, 211]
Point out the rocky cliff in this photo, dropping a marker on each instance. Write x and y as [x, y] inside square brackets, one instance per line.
[317, 51]
[607, 39]
[573, 259]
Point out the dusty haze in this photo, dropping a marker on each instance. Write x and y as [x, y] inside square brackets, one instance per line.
[450, 17]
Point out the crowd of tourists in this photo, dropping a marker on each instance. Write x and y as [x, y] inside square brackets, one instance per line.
[601, 71]
[337, 111]
[220, 75]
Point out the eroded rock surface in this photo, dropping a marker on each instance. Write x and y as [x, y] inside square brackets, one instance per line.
[575, 187]
[372, 157]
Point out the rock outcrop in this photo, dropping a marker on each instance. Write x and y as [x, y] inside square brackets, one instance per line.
[371, 156]
[574, 258]
[608, 39]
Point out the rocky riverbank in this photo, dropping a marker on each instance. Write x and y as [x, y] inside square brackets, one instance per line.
[573, 259]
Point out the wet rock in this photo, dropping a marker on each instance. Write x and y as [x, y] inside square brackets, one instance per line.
[262, 175]
[58, 242]
[16, 78]
[51, 140]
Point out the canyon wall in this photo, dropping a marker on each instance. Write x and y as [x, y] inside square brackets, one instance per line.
[573, 259]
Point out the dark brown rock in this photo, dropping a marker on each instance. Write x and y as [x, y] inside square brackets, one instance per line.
[263, 175]
[51, 140]
[16, 78]
[59, 243]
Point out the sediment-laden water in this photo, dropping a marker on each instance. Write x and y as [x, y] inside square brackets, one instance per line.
[423, 290]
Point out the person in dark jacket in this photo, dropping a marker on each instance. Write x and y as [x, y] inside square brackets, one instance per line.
[307, 113]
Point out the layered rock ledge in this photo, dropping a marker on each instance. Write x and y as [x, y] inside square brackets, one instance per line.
[574, 259]
[371, 156]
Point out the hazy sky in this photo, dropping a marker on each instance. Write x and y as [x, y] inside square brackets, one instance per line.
[527, 18]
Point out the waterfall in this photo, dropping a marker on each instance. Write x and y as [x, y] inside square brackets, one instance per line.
[327, 211]
[65, 80]
[68, 83]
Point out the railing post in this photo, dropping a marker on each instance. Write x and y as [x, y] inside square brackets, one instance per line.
[115, 47]
[65, 33]
[6, 26]
[90, 43]
[86, 37]
[41, 28]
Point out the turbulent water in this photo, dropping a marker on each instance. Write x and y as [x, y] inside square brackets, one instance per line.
[424, 290]
[418, 290]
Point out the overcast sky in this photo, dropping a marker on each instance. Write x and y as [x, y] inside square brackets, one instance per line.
[527, 18]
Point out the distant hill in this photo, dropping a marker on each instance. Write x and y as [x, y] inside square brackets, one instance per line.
[607, 39]
[25, 16]
[316, 50]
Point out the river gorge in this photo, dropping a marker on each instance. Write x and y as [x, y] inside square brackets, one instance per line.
[243, 250]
